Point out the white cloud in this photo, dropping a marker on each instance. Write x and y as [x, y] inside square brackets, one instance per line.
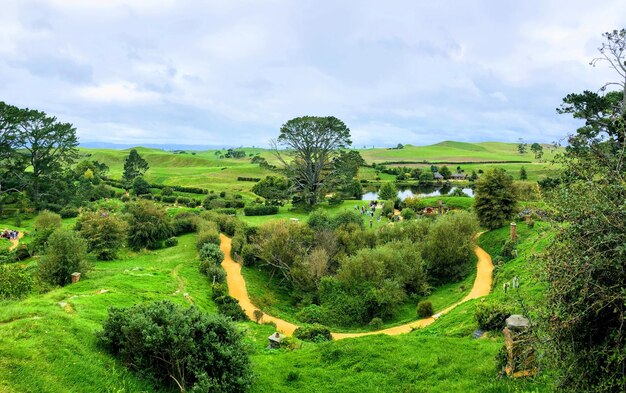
[234, 71]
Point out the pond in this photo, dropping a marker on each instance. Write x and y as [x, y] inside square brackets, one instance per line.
[424, 190]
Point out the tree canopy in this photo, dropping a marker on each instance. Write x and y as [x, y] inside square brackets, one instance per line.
[312, 142]
[134, 166]
[494, 198]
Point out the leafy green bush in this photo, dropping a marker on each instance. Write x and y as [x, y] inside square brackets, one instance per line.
[219, 290]
[104, 232]
[208, 232]
[45, 224]
[168, 199]
[149, 225]
[167, 191]
[69, 212]
[248, 255]
[376, 323]
[216, 274]
[315, 333]
[65, 254]
[408, 213]
[185, 222]
[260, 210]
[491, 315]
[229, 307]
[508, 250]
[171, 242]
[178, 347]
[424, 309]
[15, 282]
[211, 253]
[311, 314]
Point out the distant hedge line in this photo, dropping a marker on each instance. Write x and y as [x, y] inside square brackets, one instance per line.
[451, 162]
[254, 179]
[260, 210]
[189, 190]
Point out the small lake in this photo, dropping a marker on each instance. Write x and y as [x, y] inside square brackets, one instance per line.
[428, 190]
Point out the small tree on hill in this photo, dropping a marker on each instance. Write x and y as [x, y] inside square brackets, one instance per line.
[65, 254]
[149, 225]
[388, 191]
[105, 233]
[134, 166]
[445, 172]
[522, 174]
[495, 200]
[45, 224]
[537, 149]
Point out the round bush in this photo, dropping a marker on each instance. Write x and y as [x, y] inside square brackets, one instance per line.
[171, 242]
[424, 309]
[491, 316]
[211, 253]
[376, 323]
[15, 282]
[229, 307]
[216, 274]
[311, 314]
[315, 333]
[180, 346]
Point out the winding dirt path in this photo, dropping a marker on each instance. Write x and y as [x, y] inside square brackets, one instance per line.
[15, 242]
[237, 289]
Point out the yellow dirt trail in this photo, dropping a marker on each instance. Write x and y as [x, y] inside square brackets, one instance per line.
[15, 242]
[237, 289]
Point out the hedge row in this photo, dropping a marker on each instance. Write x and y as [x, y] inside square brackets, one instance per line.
[254, 179]
[260, 210]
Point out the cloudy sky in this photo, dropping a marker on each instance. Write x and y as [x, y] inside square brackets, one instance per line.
[231, 72]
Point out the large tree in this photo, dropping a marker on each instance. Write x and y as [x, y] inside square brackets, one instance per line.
[134, 166]
[45, 144]
[495, 201]
[583, 268]
[312, 143]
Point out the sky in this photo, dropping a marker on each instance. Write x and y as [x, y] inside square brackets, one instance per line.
[230, 73]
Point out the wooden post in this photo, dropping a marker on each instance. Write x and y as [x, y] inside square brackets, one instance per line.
[513, 231]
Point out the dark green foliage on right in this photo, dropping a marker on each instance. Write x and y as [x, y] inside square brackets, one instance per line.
[178, 347]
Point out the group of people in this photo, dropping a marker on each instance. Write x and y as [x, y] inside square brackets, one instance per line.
[369, 210]
[9, 234]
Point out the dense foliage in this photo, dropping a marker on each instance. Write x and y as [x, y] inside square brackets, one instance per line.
[65, 254]
[105, 233]
[175, 346]
[585, 305]
[148, 225]
[15, 281]
[495, 200]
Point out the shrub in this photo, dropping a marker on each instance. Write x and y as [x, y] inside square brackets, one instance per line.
[65, 254]
[258, 315]
[22, 252]
[208, 233]
[211, 253]
[229, 307]
[45, 224]
[311, 314]
[248, 255]
[491, 315]
[215, 273]
[387, 207]
[424, 309]
[148, 223]
[227, 210]
[15, 282]
[167, 191]
[182, 200]
[388, 191]
[508, 250]
[376, 323]
[185, 222]
[141, 186]
[315, 333]
[168, 199]
[260, 210]
[219, 290]
[104, 232]
[69, 212]
[171, 242]
[408, 213]
[176, 346]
